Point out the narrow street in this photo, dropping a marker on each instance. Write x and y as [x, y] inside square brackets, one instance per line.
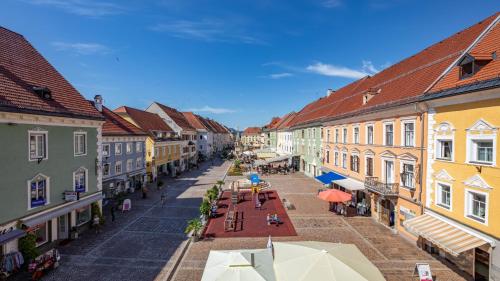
[145, 242]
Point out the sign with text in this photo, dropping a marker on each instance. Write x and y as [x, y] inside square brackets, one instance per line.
[424, 271]
[70, 196]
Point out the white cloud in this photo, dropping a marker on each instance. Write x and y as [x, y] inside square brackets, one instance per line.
[332, 3]
[280, 75]
[208, 30]
[368, 67]
[87, 8]
[213, 110]
[335, 71]
[81, 48]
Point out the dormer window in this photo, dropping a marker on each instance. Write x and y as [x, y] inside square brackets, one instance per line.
[370, 94]
[470, 64]
[43, 92]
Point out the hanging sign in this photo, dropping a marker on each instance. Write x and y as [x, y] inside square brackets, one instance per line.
[70, 196]
[424, 271]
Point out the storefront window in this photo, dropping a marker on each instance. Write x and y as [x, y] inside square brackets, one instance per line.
[42, 234]
[82, 215]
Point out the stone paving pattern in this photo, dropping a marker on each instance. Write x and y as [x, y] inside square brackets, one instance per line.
[392, 254]
[142, 244]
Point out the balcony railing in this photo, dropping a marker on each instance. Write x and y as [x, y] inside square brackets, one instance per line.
[382, 188]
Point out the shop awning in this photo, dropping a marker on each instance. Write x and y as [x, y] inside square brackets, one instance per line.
[446, 236]
[350, 184]
[11, 235]
[278, 159]
[64, 209]
[329, 177]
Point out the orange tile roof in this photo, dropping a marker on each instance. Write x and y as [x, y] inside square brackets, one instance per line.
[483, 50]
[252, 131]
[116, 125]
[286, 120]
[177, 116]
[147, 121]
[194, 121]
[22, 67]
[273, 123]
[404, 81]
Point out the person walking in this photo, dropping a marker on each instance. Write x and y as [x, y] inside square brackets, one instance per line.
[96, 223]
[163, 199]
[112, 211]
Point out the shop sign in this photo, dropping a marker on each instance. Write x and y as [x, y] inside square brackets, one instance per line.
[424, 271]
[70, 196]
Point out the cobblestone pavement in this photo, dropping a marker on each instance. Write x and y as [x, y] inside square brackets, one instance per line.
[392, 254]
[142, 244]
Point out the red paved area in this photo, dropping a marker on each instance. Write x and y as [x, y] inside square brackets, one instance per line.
[251, 222]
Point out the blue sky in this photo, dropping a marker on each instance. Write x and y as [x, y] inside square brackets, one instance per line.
[240, 62]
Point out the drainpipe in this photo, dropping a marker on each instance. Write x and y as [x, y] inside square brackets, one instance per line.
[422, 108]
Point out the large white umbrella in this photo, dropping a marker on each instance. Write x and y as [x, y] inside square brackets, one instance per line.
[243, 265]
[309, 260]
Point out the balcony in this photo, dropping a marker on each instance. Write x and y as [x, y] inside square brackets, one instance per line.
[385, 189]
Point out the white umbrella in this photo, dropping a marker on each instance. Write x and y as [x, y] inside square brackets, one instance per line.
[244, 265]
[308, 260]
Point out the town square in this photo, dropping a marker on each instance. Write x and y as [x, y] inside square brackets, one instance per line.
[249, 140]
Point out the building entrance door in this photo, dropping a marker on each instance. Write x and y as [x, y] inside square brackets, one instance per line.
[63, 227]
[481, 265]
[387, 212]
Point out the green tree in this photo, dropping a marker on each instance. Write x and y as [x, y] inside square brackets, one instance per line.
[195, 226]
[205, 207]
[27, 246]
[97, 211]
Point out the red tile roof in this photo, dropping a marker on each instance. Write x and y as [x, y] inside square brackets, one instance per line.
[286, 120]
[404, 81]
[252, 131]
[218, 127]
[273, 123]
[194, 121]
[177, 117]
[207, 124]
[483, 50]
[22, 67]
[115, 125]
[147, 121]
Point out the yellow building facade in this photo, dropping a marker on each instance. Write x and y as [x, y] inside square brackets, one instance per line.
[380, 153]
[462, 189]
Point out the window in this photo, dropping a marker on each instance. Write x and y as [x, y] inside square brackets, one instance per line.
[302, 133]
[164, 149]
[482, 151]
[138, 163]
[344, 135]
[118, 148]
[444, 149]
[337, 135]
[156, 151]
[356, 135]
[389, 134]
[83, 215]
[408, 175]
[388, 171]
[37, 145]
[369, 166]
[105, 169]
[408, 134]
[466, 70]
[106, 150]
[328, 136]
[130, 165]
[476, 206]
[328, 156]
[336, 158]
[38, 188]
[80, 180]
[80, 143]
[344, 160]
[369, 134]
[355, 163]
[128, 148]
[118, 168]
[443, 195]
[41, 233]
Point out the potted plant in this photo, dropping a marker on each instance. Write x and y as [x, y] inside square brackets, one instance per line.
[205, 208]
[194, 226]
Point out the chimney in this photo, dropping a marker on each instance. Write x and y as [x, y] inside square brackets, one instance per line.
[98, 102]
[329, 92]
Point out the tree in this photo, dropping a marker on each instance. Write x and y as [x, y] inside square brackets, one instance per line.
[205, 208]
[27, 246]
[195, 226]
[220, 183]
